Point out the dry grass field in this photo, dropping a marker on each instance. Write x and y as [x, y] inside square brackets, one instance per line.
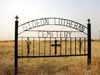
[49, 66]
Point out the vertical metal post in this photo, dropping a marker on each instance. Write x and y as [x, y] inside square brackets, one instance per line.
[16, 45]
[61, 44]
[28, 47]
[70, 45]
[89, 42]
[50, 45]
[85, 46]
[75, 45]
[33, 47]
[65, 45]
[80, 45]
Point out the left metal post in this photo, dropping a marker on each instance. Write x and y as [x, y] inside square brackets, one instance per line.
[16, 46]
[89, 42]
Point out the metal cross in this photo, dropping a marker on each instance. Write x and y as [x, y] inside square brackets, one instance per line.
[55, 45]
[28, 45]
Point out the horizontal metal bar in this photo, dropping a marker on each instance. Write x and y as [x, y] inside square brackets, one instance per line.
[52, 56]
[53, 37]
[53, 31]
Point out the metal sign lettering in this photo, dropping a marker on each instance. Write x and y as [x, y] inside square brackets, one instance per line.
[53, 21]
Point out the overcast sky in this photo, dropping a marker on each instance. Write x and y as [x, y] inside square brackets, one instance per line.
[77, 10]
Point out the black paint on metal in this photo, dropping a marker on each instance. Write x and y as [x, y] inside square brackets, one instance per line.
[56, 45]
[80, 45]
[28, 45]
[75, 45]
[89, 42]
[84, 42]
[33, 46]
[85, 45]
[16, 45]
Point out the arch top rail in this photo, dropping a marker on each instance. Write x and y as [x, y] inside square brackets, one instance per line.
[52, 18]
[53, 21]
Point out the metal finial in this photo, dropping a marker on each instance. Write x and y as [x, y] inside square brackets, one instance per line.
[16, 18]
[88, 20]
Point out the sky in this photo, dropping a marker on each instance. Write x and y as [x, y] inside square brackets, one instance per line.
[76, 10]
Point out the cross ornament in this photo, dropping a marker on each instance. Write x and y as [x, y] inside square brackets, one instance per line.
[56, 45]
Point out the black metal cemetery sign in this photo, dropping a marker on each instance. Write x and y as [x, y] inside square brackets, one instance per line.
[31, 42]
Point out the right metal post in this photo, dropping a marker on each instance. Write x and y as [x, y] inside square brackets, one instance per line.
[89, 42]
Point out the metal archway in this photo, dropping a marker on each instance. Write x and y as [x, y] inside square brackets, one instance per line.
[28, 26]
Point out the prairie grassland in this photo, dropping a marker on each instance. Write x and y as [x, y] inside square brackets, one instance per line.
[48, 66]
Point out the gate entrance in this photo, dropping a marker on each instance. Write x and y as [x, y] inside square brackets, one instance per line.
[32, 41]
